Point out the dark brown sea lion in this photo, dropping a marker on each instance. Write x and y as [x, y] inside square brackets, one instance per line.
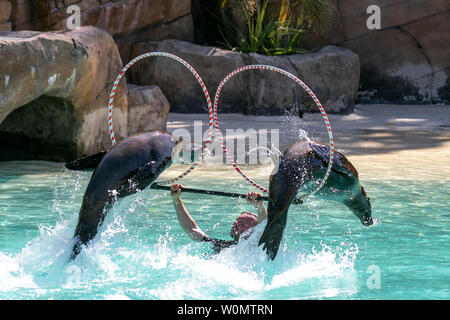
[131, 165]
[304, 163]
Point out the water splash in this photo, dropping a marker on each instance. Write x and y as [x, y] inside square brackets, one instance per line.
[140, 252]
[298, 126]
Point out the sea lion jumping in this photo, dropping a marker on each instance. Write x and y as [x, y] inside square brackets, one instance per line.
[131, 165]
[300, 165]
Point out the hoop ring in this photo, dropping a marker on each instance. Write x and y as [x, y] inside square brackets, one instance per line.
[307, 89]
[200, 81]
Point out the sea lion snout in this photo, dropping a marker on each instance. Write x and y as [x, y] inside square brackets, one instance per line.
[361, 208]
[186, 152]
[367, 221]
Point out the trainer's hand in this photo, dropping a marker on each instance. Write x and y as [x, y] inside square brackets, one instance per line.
[175, 190]
[252, 198]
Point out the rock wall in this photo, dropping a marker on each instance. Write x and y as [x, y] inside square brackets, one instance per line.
[148, 109]
[407, 60]
[54, 89]
[332, 73]
[5, 11]
[44, 129]
[127, 21]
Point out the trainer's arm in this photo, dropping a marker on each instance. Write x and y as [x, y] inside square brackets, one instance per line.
[258, 204]
[184, 218]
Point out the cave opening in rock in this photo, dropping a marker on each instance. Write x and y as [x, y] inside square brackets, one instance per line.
[44, 129]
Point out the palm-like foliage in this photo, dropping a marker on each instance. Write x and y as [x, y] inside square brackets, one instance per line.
[314, 14]
[276, 34]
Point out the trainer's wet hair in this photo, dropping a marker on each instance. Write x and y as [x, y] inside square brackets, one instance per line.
[244, 222]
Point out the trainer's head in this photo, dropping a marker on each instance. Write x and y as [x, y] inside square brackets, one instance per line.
[244, 222]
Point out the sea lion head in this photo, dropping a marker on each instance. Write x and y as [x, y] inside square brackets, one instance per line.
[359, 204]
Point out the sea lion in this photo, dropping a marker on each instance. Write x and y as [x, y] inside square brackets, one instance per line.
[131, 165]
[303, 163]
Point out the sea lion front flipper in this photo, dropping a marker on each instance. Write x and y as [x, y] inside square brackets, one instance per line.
[341, 165]
[86, 163]
[143, 176]
[150, 169]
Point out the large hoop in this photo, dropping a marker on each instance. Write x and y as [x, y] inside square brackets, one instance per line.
[200, 81]
[306, 88]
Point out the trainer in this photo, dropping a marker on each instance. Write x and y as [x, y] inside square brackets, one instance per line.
[244, 222]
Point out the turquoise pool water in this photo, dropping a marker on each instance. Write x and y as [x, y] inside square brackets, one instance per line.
[142, 253]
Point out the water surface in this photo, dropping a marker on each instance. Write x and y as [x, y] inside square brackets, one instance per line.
[142, 253]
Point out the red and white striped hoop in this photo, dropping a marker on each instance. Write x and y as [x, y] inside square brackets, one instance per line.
[205, 92]
[306, 88]
[213, 118]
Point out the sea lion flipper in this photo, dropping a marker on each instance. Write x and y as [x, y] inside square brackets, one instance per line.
[152, 168]
[143, 176]
[86, 163]
[340, 164]
[322, 152]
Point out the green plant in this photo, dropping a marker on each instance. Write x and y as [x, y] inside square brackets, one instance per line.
[275, 34]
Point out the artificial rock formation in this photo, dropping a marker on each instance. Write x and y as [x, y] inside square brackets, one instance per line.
[407, 60]
[127, 21]
[5, 11]
[148, 109]
[179, 85]
[54, 90]
[332, 73]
